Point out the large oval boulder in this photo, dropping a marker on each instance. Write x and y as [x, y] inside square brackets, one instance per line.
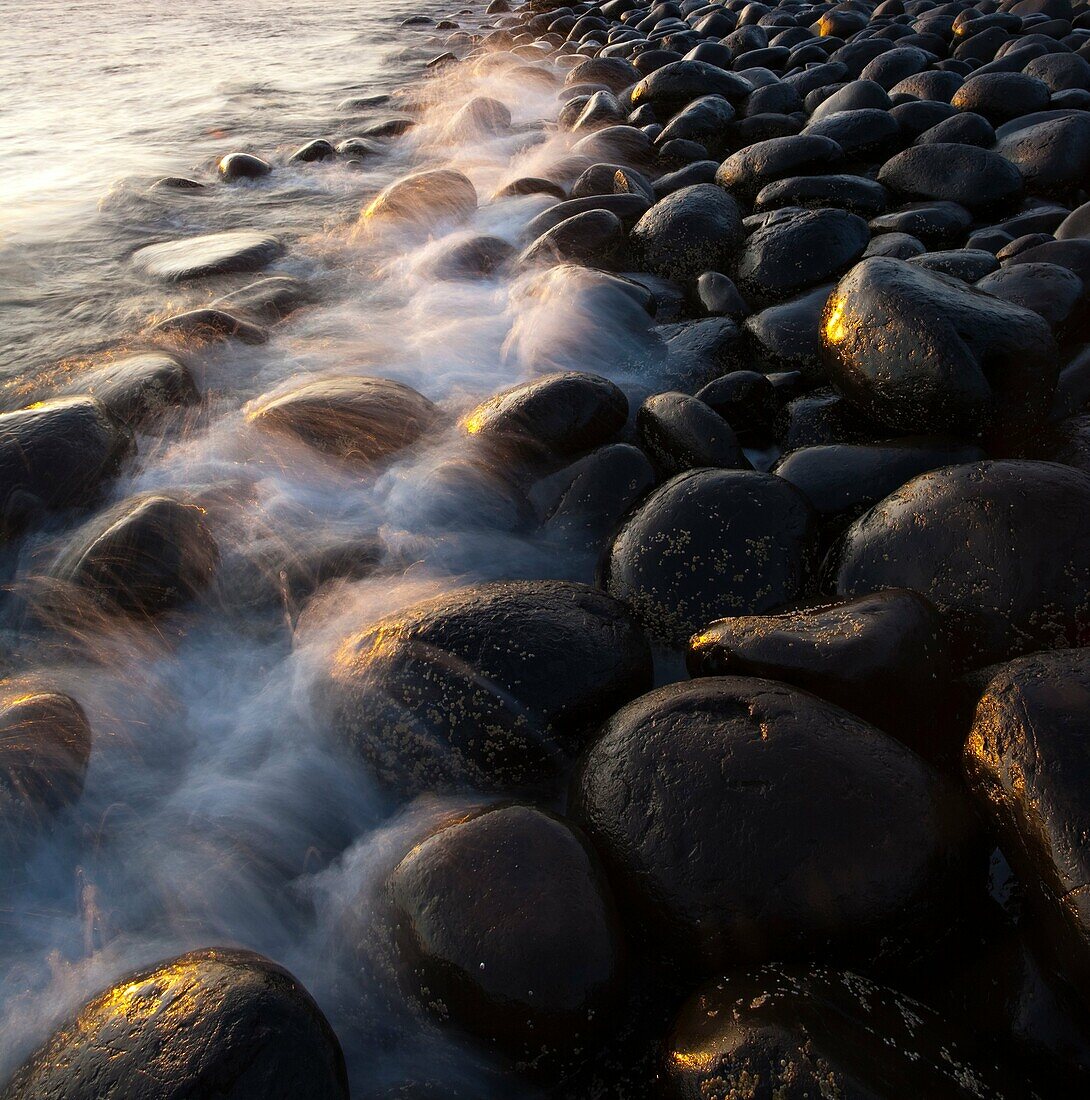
[507, 930]
[211, 254]
[427, 197]
[486, 687]
[764, 162]
[676, 85]
[1001, 548]
[710, 543]
[921, 351]
[219, 1022]
[354, 418]
[975, 178]
[744, 819]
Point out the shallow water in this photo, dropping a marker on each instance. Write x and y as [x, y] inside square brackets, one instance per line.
[214, 811]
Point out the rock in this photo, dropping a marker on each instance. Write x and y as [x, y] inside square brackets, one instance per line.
[856, 96]
[936, 223]
[177, 183]
[556, 416]
[1071, 254]
[897, 246]
[1060, 72]
[428, 197]
[843, 480]
[45, 744]
[211, 254]
[964, 129]
[317, 150]
[882, 656]
[441, 695]
[357, 147]
[868, 132]
[1075, 225]
[531, 185]
[395, 127]
[855, 193]
[611, 179]
[999, 97]
[270, 299]
[704, 121]
[475, 257]
[688, 232]
[824, 1032]
[530, 965]
[703, 171]
[624, 144]
[710, 543]
[56, 454]
[1052, 154]
[967, 264]
[354, 418]
[217, 1021]
[920, 351]
[615, 73]
[144, 556]
[243, 166]
[208, 324]
[800, 250]
[628, 208]
[584, 502]
[746, 400]
[931, 84]
[1026, 762]
[1051, 291]
[139, 389]
[1067, 442]
[720, 297]
[598, 110]
[718, 805]
[480, 117]
[680, 432]
[978, 179]
[764, 162]
[991, 525]
[893, 66]
[788, 336]
[594, 237]
[821, 416]
[674, 86]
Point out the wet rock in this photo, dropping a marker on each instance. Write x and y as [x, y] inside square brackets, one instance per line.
[441, 695]
[317, 150]
[978, 179]
[45, 744]
[868, 132]
[824, 1032]
[819, 417]
[56, 454]
[767, 791]
[270, 299]
[598, 110]
[354, 418]
[698, 351]
[144, 556]
[529, 966]
[243, 166]
[611, 179]
[476, 257]
[967, 264]
[594, 237]
[790, 254]
[999, 97]
[746, 400]
[1067, 442]
[882, 656]
[357, 147]
[558, 415]
[897, 246]
[425, 198]
[480, 117]
[177, 183]
[720, 297]
[628, 208]
[624, 144]
[211, 254]
[917, 350]
[220, 1020]
[614, 72]
[688, 232]
[1060, 72]
[1026, 761]
[531, 185]
[855, 193]
[1075, 225]
[395, 127]
[1071, 254]
[710, 543]
[788, 336]
[208, 324]
[1051, 291]
[963, 129]
[764, 162]
[990, 525]
[680, 432]
[703, 171]
[895, 65]
[704, 121]
[139, 389]
[674, 86]
[931, 84]
[935, 223]
[1051, 150]
[856, 96]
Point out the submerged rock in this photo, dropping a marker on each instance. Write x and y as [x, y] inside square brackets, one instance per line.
[488, 687]
[139, 389]
[210, 254]
[741, 819]
[216, 1022]
[357, 419]
[211, 324]
[507, 931]
[424, 198]
[240, 166]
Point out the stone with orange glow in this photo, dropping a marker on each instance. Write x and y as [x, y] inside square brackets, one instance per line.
[424, 198]
[491, 687]
[218, 1022]
[743, 819]
[355, 418]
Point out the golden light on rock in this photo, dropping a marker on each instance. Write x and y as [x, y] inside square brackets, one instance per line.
[836, 326]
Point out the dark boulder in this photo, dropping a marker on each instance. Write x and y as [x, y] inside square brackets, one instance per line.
[139, 390]
[788, 336]
[967, 264]
[445, 695]
[676, 85]
[999, 97]
[867, 132]
[210, 254]
[219, 1022]
[967, 537]
[747, 401]
[239, 166]
[742, 819]
[680, 432]
[710, 543]
[1051, 291]
[317, 150]
[978, 179]
[209, 325]
[269, 299]
[479, 256]
[764, 162]
[594, 237]
[1052, 154]
[855, 193]
[936, 224]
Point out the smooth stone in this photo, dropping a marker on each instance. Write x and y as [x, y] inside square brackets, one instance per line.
[718, 804]
[704, 121]
[1067, 442]
[219, 1021]
[1051, 291]
[557, 415]
[56, 454]
[629, 208]
[624, 144]
[991, 525]
[690, 231]
[999, 97]
[427, 197]
[45, 745]
[147, 555]
[861, 196]
[177, 183]
[720, 297]
[821, 416]
[139, 390]
[1076, 225]
[897, 246]
[210, 324]
[868, 132]
[978, 179]
[938, 224]
[611, 179]
[698, 351]
[680, 433]
[764, 162]
[531, 185]
[532, 964]
[883, 656]
[747, 401]
[317, 150]
[919, 115]
[1060, 72]
[1071, 254]
[1026, 760]
[788, 336]
[1053, 155]
[477, 257]
[893, 66]
[210, 254]
[963, 129]
[243, 166]
[919, 351]
[615, 73]
[357, 419]
[822, 1032]
[710, 543]
[269, 299]
[357, 147]
[931, 84]
[703, 171]
[675, 86]
[441, 695]
[791, 254]
[481, 117]
[594, 238]
[395, 127]
[857, 95]
[967, 264]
